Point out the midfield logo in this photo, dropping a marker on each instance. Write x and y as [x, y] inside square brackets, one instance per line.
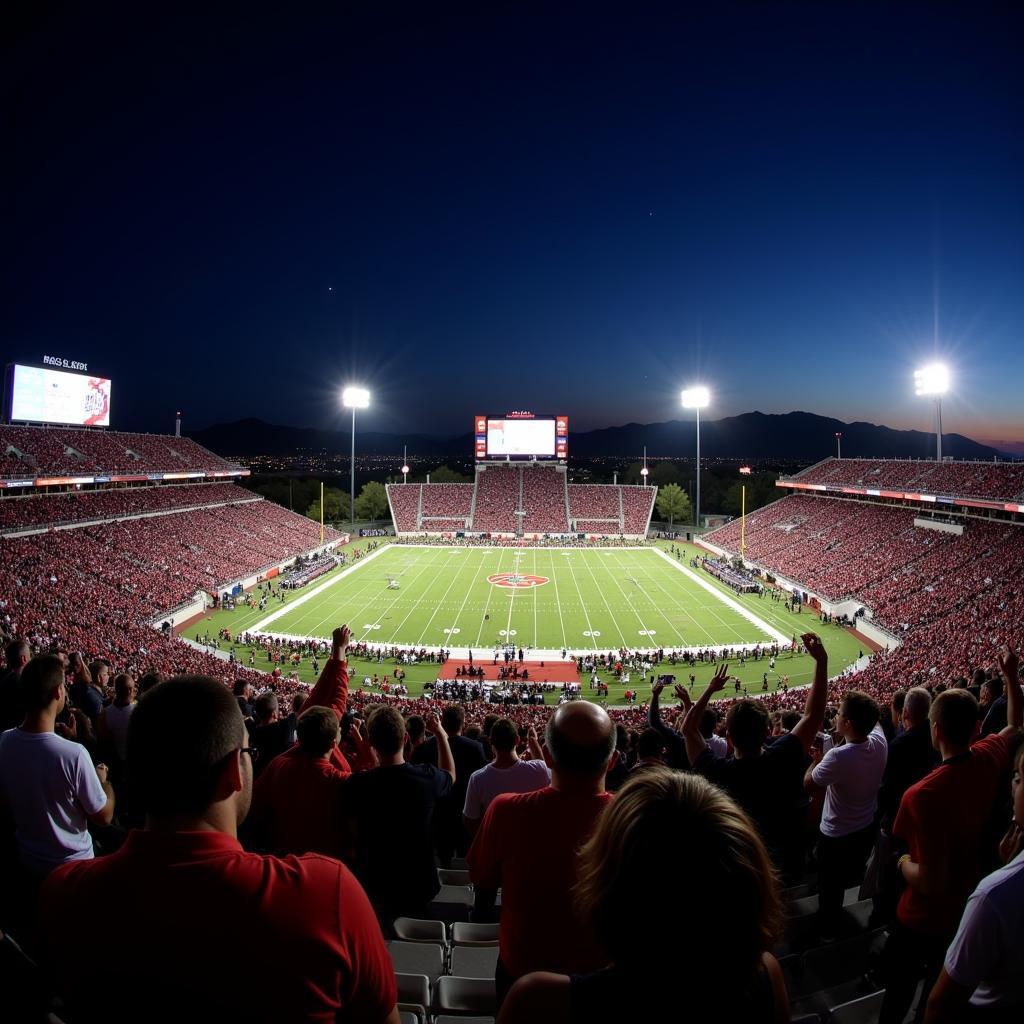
[514, 581]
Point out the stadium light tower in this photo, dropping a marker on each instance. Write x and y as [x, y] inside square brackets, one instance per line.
[697, 397]
[354, 398]
[839, 444]
[644, 471]
[933, 381]
[405, 464]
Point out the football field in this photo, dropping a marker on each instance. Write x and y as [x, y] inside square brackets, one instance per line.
[543, 599]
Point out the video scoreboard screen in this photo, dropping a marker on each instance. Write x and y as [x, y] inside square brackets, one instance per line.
[521, 436]
[40, 395]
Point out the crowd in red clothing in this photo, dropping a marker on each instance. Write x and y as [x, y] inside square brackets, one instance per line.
[952, 479]
[61, 451]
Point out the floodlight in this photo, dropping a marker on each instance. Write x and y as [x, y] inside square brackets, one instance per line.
[355, 398]
[932, 379]
[698, 397]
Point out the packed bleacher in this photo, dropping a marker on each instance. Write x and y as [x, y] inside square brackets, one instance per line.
[514, 499]
[961, 479]
[637, 506]
[39, 510]
[544, 501]
[498, 493]
[64, 451]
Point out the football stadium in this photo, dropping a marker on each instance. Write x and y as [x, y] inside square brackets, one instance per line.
[584, 581]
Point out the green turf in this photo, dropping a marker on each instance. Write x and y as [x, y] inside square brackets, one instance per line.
[617, 593]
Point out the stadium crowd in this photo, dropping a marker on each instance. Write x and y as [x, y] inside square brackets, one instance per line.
[957, 479]
[19, 513]
[58, 451]
[317, 826]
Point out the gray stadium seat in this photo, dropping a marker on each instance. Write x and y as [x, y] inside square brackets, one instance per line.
[408, 1017]
[465, 996]
[474, 961]
[459, 862]
[414, 929]
[465, 933]
[453, 876]
[455, 894]
[413, 993]
[418, 958]
[444, 1018]
[859, 1011]
[838, 962]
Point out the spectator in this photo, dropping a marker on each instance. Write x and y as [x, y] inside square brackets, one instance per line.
[112, 729]
[723, 879]
[911, 755]
[673, 742]
[982, 967]
[12, 710]
[184, 891]
[416, 731]
[507, 773]
[993, 707]
[850, 774]
[49, 783]
[649, 748]
[297, 801]
[243, 694]
[449, 835]
[391, 808]
[528, 846]
[88, 687]
[943, 820]
[766, 780]
[272, 734]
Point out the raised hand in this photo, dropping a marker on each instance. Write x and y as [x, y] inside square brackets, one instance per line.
[815, 648]
[434, 726]
[1009, 662]
[656, 688]
[683, 695]
[720, 678]
[342, 636]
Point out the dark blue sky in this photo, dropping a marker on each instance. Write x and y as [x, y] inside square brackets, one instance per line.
[532, 206]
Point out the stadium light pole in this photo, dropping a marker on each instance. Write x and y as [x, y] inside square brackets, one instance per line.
[354, 398]
[933, 381]
[839, 444]
[405, 464]
[697, 397]
[643, 472]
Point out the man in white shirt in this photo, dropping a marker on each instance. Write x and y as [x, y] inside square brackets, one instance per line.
[507, 773]
[49, 783]
[851, 775]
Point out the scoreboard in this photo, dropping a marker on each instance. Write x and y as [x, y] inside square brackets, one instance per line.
[521, 436]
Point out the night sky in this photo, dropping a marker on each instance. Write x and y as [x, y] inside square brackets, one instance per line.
[526, 207]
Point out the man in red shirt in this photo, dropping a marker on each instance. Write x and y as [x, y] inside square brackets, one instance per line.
[192, 912]
[528, 842]
[943, 821]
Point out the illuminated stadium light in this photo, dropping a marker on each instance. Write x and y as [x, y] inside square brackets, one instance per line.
[354, 398]
[932, 381]
[697, 397]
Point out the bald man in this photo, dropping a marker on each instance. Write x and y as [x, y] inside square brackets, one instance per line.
[528, 844]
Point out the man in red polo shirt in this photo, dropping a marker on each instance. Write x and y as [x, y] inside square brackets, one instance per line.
[943, 821]
[192, 912]
[528, 842]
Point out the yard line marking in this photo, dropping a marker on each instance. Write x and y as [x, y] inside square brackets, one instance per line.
[437, 604]
[643, 625]
[725, 599]
[585, 612]
[656, 605]
[418, 600]
[558, 603]
[487, 603]
[301, 600]
[469, 590]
